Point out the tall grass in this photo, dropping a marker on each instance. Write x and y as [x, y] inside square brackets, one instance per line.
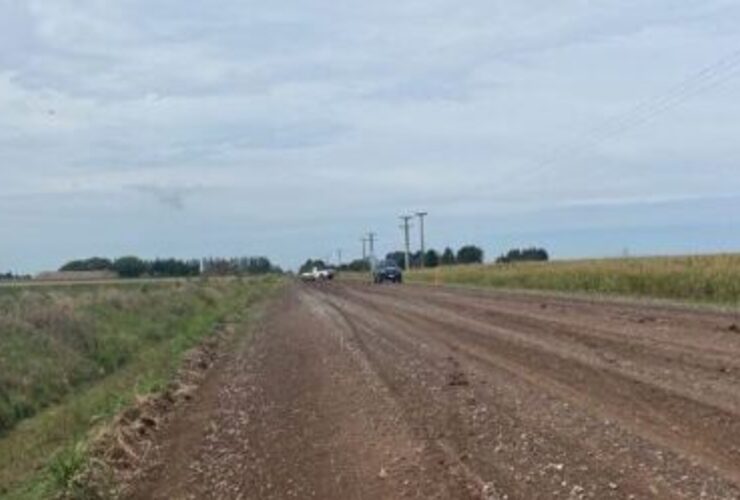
[704, 278]
[71, 357]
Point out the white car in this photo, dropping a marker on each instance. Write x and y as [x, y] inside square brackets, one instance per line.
[317, 274]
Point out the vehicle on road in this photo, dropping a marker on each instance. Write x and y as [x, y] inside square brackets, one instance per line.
[387, 271]
[317, 274]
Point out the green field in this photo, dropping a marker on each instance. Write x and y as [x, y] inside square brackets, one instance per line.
[71, 357]
[706, 278]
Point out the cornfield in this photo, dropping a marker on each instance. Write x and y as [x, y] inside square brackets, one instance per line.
[701, 278]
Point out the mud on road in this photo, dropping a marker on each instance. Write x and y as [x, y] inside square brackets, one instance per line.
[352, 391]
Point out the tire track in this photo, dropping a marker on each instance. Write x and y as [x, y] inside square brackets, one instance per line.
[670, 420]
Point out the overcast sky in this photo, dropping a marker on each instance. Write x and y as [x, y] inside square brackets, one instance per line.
[288, 128]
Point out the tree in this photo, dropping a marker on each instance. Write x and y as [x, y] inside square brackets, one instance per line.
[431, 258]
[417, 259]
[219, 267]
[398, 257]
[524, 255]
[133, 266]
[448, 257]
[357, 266]
[10, 276]
[238, 266]
[174, 268]
[92, 264]
[255, 266]
[470, 254]
[130, 267]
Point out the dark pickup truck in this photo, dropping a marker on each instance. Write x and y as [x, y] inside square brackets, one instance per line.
[389, 271]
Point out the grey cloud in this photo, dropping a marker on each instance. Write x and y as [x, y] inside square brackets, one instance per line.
[291, 115]
[173, 197]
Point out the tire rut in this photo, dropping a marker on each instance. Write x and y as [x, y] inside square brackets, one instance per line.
[673, 422]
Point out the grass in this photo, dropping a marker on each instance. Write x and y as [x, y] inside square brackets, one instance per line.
[73, 357]
[711, 279]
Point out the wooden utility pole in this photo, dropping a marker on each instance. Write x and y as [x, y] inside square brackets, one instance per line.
[371, 238]
[406, 226]
[421, 216]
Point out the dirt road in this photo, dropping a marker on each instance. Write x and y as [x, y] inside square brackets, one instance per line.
[353, 391]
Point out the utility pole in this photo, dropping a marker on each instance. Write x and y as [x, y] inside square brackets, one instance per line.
[371, 238]
[339, 256]
[421, 216]
[406, 226]
[364, 248]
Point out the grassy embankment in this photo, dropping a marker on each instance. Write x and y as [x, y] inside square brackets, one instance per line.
[71, 357]
[706, 278]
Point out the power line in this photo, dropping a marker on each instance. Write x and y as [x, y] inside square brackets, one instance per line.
[707, 78]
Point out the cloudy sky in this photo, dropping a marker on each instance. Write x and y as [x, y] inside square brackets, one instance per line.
[288, 128]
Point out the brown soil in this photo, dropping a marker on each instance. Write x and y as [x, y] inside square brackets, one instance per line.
[352, 391]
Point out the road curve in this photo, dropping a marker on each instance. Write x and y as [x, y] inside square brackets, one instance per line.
[353, 391]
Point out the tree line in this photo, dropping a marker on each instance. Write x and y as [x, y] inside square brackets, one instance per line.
[356, 266]
[524, 255]
[135, 267]
[239, 266]
[14, 277]
[468, 254]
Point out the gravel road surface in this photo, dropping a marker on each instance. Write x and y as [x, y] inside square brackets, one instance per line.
[352, 391]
